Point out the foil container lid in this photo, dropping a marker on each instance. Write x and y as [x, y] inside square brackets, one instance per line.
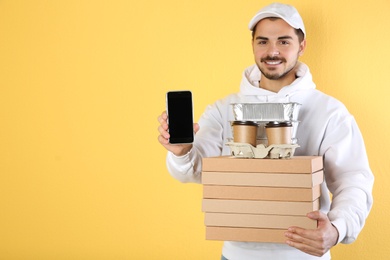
[266, 111]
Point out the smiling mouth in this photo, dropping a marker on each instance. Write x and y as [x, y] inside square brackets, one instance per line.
[273, 62]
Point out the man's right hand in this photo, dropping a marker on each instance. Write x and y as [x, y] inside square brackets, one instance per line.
[163, 138]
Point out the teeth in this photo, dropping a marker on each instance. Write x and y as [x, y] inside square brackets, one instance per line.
[273, 62]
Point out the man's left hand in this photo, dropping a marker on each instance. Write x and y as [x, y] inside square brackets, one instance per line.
[314, 241]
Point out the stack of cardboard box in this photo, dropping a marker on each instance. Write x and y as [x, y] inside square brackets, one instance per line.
[256, 200]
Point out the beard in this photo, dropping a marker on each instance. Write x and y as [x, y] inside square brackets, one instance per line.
[275, 75]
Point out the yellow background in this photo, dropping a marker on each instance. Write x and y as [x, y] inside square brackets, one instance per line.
[82, 175]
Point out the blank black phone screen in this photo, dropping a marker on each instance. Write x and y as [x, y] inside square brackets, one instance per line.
[180, 117]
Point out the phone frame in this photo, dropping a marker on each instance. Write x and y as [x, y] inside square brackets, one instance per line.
[179, 133]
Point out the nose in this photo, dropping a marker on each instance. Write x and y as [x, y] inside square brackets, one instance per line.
[273, 50]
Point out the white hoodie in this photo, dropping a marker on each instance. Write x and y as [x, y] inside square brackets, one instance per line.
[326, 129]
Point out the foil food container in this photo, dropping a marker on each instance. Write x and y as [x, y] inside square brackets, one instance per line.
[262, 113]
[266, 111]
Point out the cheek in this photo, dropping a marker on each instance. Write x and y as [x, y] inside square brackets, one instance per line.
[292, 55]
[258, 52]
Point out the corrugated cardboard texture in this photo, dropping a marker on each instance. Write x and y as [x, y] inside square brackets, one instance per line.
[296, 164]
[261, 193]
[258, 221]
[263, 179]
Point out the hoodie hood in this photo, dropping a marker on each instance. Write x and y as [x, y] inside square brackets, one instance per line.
[252, 75]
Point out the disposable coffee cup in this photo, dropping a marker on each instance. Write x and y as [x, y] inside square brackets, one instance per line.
[245, 132]
[278, 132]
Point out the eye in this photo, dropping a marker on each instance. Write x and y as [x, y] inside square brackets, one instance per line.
[262, 42]
[284, 42]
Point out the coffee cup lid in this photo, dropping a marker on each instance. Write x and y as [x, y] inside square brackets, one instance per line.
[245, 123]
[278, 124]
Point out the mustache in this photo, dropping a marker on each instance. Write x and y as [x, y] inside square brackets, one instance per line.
[269, 58]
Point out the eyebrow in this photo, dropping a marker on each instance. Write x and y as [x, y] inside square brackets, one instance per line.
[279, 38]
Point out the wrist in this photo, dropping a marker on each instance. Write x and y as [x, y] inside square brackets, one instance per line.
[183, 152]
[336, 235]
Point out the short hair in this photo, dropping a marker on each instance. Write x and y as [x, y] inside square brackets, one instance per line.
[298, 32]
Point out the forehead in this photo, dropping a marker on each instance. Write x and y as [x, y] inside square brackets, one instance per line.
[274, 27]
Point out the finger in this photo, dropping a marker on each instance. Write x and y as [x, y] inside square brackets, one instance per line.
[305, 248]
[312, 235]
[304, 236]
[163, 124]
[163, 131]
[295, 234]
[196, 127]
[163, 140]
[297, 238]
[161, 120]
[163, 117]
[317, 215]
[307, 240]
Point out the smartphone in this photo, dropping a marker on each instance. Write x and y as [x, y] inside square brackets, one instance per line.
[180, 117]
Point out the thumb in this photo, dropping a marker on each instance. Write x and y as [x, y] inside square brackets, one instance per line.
[315, 215]
[321, 217]
[196, 127]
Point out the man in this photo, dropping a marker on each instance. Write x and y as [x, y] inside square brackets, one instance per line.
[326, 129]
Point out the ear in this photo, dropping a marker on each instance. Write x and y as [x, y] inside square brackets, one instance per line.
[302, 47]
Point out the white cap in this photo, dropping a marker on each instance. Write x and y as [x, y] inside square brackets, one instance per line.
[286, 12]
